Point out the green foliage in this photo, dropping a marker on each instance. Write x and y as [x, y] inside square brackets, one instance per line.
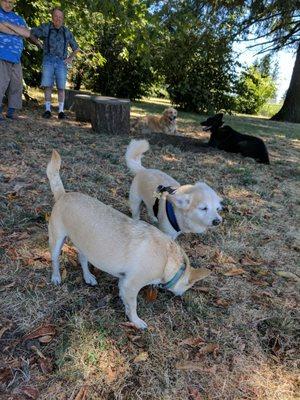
[132, 48]
[253, 90]
[195, 55]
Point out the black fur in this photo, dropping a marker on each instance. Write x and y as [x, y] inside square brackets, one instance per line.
[226, 138]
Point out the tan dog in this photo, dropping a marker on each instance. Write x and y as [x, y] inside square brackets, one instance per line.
[134, 251]
[165, 123]
[188, 208]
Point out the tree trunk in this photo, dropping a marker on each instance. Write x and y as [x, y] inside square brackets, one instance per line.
[110, 115]
[70, 96]
[82, 107]
[290, 111]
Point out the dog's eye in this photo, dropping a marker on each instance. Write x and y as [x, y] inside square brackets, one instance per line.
[203, 208]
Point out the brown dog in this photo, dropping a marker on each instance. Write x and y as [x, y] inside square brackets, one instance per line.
[166, 123]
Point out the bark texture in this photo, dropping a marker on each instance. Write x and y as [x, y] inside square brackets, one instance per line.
[290, 110]
[110, 115]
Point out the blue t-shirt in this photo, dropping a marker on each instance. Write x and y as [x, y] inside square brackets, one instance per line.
[11, 46]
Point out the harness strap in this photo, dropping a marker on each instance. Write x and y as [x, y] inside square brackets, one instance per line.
[48, 39]
[160, 189]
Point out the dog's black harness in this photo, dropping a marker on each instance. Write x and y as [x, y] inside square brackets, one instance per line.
[169, 207]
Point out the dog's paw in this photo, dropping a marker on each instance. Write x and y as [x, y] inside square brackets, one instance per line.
[139, 323]
[56, 279]
[90, 279]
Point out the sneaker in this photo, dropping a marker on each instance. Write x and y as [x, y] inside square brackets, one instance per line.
[12, 117]
[61, 115]
[47, 114]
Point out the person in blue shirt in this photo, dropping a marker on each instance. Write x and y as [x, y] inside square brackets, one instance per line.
[56, 39]
[11, 47]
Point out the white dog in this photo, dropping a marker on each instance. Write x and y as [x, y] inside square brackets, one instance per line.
[134, 251]
[179, 209]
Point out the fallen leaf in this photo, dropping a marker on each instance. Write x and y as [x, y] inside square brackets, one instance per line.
[189, 366]
[46, 365]
[222, 259]
[209, 348]
[5, 328]
[194, 394]
[45, 339]
[151, 293]
[288, 275]
[38, 352]
[201, 289]
[234, 272]
[82, 394]
[12, 196]
[43, 330]
[250, 261]
[222, 303]
[5, 374]
[259, 282]
[194, 342]
[130, 325]
[10, 285]
[23, 235]
[30, 392]
[63, 274]
[143, 356]
[111, 375]
[47, 216]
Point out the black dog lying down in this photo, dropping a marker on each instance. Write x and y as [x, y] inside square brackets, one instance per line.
[226, 138]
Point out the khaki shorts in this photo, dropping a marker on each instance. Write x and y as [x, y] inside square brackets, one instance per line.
[11, 83]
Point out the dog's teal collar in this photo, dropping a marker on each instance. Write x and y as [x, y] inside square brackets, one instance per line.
[174, 280]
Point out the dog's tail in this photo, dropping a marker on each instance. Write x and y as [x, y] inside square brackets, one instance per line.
[56, 184]
[134, 152]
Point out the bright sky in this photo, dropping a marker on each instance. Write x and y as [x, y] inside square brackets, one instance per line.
[286, 61]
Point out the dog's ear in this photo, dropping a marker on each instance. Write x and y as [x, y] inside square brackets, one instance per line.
[220, 115]
[202, 185]
[180, 200]
[196, 274]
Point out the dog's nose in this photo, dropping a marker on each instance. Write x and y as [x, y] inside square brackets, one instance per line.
[216, 222]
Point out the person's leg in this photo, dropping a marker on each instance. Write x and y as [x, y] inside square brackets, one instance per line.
[61, 100]
[48, 94]
[15, 90]
[5, 73]
[61, 78]
[47, 84]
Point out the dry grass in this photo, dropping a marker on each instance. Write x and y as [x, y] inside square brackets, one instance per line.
[245, 326]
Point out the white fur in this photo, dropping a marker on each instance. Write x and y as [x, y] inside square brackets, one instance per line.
[195, 206]
[135, 252]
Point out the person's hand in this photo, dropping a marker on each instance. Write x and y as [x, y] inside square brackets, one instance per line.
[69, 60]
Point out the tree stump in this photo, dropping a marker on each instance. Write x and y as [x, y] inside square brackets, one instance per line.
[82, 107]
[110, 115]
[70, 95]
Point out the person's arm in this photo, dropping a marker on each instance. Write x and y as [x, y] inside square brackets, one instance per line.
[70, 59]
[33, 39]
[19, 30]
[74, 47]
[5, 29]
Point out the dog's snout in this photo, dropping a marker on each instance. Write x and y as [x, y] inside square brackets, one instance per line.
[216, 222]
